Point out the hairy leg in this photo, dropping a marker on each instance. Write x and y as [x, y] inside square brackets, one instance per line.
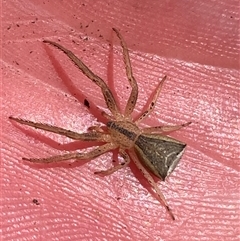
[151, 182]
[75, 155]
[164, 129]
[152, 101]
[117, 167]
[134, 93]
[108, 96]
[90, 136]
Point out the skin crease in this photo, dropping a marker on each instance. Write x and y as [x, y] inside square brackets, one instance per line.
[194, 45]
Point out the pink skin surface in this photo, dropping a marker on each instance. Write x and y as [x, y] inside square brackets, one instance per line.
[195, 44]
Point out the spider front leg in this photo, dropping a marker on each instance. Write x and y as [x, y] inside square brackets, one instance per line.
[108, 96]
[151, 182]
[117, 167]
[134, 93]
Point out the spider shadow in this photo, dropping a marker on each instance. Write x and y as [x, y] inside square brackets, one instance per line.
[82, 98]
[144, 182]
[110, 81]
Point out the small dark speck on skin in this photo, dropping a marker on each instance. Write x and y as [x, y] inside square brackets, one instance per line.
[18, 25]
[86, 103]
[35, 201]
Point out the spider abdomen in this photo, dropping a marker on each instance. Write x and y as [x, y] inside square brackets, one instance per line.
[159, 153]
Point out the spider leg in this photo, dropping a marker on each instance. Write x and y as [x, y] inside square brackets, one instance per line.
[96, 129]
[90, 136]
[134, 93]
[151, 182]
[108, 96]
[75, 155]
[117, 167]
[152, 101]
[165, 129]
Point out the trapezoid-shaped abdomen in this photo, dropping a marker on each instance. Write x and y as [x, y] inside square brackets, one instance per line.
[158, 153]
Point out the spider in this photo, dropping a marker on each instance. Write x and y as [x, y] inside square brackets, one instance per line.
[148, 148]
